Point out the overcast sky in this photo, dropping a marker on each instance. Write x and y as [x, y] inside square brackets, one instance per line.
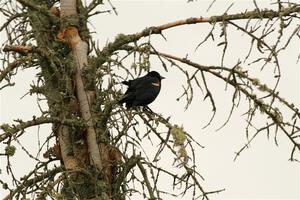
[261, 172]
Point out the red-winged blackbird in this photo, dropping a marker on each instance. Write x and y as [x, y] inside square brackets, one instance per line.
[142, 91]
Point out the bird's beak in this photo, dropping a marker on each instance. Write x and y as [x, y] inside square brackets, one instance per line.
[161, 77]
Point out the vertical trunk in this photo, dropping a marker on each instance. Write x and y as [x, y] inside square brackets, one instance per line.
[87, 185]
[80, 51]
[88, 161]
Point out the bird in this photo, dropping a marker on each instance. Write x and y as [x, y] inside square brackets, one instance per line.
[142, 91]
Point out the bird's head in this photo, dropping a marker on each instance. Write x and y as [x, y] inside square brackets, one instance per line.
[155, 74]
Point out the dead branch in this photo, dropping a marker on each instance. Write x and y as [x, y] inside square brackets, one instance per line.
[255, 14]
[11, 130]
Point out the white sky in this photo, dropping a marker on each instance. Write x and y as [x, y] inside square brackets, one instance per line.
[261, 172]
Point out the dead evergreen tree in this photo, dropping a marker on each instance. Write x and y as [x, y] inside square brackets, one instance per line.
[91, 155]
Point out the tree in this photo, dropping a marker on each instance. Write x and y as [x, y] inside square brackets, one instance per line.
[95, 150]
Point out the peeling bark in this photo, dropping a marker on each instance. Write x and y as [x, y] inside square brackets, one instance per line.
[80, 52]
[80, 55]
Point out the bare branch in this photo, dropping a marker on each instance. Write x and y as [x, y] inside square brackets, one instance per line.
[126, 39]
[11, 130]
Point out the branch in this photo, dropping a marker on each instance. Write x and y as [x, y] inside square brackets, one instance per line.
[9, 20]
[254, 81]
[10, 130]
[30, 182]
[21, 49]
[251, 139]
[190, 172]
[41, 9]
[147, 182]
[18, 48]
[10, 68]
[121, 40]
[253, 97]
[128, 165]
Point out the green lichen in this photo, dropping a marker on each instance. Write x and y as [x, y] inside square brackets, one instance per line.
[213, 19]
[262, 106]
[6, 128]
[178, 134]
[182, 153]
[10, 150]
[263, 88]
[255, 81]
[121, 39]
[277, 115]
[145, 64]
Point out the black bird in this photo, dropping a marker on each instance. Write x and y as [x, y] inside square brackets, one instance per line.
[142, 91]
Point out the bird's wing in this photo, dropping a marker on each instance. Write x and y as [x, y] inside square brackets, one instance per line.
[131, 90]
[147, 89]
[141, 91]
[133, 84]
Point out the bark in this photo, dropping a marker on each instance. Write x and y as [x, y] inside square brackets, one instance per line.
[80, 55]
[80, 52]
[70, 162]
